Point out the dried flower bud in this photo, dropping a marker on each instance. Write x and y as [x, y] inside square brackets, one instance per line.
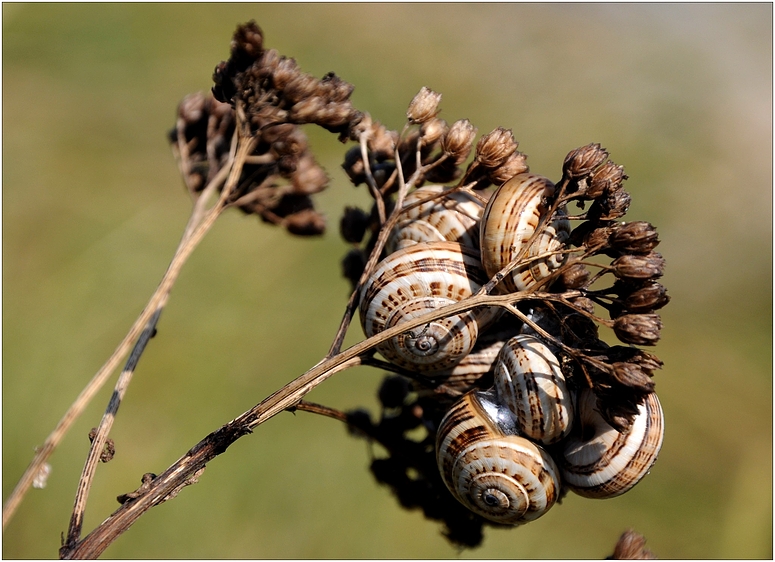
[354, 167]
[424, 106]
[514, 165]
[606, 179]
[637, 237]
[611, 207]
[622, 353]
[619, 408]
[353, 225]
[334, 89]
[248, 42]
[459, 139]
[632, 546]
[638, 329]
[574, 277]
[353, 265]
[597, 237]
[652, 296]
[308, 177]
[307, 222]
[191, 107]
[584, 303]
[382, 142]
[649, 266]
[494, 148]
[393, 391]
[286, 70]
[301, 87]
[581, 161]
[432, 130]
[633, 376]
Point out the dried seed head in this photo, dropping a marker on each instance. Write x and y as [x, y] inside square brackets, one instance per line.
[286, 70]
[611, 207]
[638, 329]
[334, 89]
[649, 266]
[574, 277]
[393, 391]
[307, 222]
[584, 303]
[494, 148]
[633, 376]
[191, 107]
[353, 225]
[353, 264]
[458, 141]
[606, 179]
[432, 131]
[514, 165]
[308, 177]
[581, 161]
[248, 42]
[424, 106]
[300, 87]
[651, 296]
[597, 237]
[632, 546]
[382, 142]
[637, 237]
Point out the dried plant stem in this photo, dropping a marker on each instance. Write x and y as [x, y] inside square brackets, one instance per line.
[186, 469]
[199, 224]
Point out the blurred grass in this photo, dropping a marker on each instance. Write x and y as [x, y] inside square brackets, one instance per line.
[93, 208]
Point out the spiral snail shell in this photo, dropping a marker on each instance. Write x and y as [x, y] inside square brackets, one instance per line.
[529, 381]
[494, 472]
[599, 462]
[510, 218]
[454, 217]
[414, 281]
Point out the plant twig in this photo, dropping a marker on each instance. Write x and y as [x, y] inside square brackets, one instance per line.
[192, 236]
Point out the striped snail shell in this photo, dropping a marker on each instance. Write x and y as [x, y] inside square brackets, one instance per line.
[488, 468]
[529, 381]
[414, 281]
[509, 221]
[454, 217]
[480, 362]
[599, 462]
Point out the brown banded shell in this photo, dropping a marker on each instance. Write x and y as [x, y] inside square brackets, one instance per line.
[468, 374]
[529, 381]
[599, 462]
[495, 473]
[454, 217]
[417, 280]
[510, 218]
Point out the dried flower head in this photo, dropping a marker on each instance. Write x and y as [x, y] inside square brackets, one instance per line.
[495, 148]
[424, 106]
[458, 141]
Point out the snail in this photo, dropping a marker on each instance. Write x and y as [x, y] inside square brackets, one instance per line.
[414, 281]
[510, 218]
[488, 467]
[454, 217]
[529, 381]
[599, 462]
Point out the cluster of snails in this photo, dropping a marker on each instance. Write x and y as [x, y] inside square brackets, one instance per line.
[522, 433]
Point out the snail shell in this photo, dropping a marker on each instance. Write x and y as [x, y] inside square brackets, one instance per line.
[599, 462]
[480, 362]
[494, 472]
[509, 221]
[454, 217]
[529, 381]
[414, 281]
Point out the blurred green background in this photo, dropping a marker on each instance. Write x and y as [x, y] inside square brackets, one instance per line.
[93, 208]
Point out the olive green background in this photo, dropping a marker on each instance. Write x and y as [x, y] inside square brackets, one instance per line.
[93, 208]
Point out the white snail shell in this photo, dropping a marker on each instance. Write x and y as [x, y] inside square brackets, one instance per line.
[529, 381]
[509, 220]
[495, 473]
[414, 281]
[454, 217]
[599, 462]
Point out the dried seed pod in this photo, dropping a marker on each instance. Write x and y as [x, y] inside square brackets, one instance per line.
[598, 461]
[511, 217]
[458, 140]
[529, 381]
[494, 148]
[488, 468]
[424, 106]
[638, 329]
[454, 217]
[414, 281]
